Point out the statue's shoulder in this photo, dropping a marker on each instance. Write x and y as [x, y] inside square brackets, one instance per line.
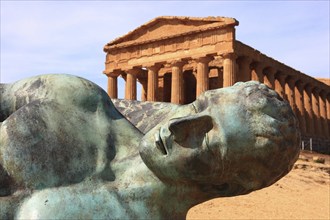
[62, 88]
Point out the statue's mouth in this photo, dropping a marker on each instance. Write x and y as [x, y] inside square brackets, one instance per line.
[160, 144]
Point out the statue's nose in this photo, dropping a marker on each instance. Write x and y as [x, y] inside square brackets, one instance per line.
[190, 131]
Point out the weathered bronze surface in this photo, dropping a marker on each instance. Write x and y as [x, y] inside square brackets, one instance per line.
[67, 152]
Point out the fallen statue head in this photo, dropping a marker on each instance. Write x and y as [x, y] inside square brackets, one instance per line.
[63, 140]
[233, 140]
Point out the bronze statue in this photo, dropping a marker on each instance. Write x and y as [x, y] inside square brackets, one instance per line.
[67, 152]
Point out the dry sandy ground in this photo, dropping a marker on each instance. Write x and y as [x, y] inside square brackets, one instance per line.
[302, 194]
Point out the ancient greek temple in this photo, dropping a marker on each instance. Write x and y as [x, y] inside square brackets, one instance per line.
[177, 58]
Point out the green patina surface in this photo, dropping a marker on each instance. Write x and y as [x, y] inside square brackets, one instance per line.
[67, 152]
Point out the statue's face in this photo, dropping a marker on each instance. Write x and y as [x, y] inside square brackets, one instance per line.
[235, 139]
[192, 143]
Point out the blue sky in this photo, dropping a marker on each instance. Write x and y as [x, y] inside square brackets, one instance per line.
[39, 37]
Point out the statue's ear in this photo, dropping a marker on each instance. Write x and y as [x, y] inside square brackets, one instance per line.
[190, 131]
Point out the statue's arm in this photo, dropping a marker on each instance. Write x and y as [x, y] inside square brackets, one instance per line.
[54, 131]
[88, 200]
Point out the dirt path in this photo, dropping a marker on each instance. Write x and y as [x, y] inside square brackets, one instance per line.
[303, 194]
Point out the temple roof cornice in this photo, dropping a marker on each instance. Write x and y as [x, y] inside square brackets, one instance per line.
[204, 24]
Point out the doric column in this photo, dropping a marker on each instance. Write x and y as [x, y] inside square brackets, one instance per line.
[202, 83]
[323, 113]
[299, 100]
[316, 111]
[112, 84]
[289, 91]
[309, 110]
[152, 91]
[269, 77]
[177, 88]
[229, 69]
[244, 73]
[327, 100]
[143, 81]
[280, 84]
[256, 73]
[130, 86]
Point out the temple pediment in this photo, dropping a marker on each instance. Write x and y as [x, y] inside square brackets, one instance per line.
[168, 27]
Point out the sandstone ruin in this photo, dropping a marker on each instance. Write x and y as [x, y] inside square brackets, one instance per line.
[177, 58]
